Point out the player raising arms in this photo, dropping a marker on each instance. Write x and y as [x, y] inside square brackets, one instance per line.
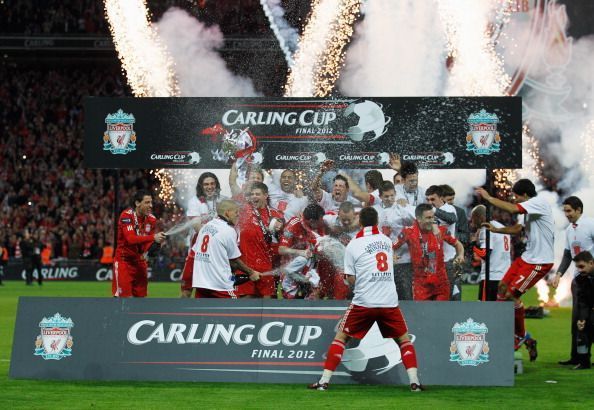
[535, 262]
[368, 266]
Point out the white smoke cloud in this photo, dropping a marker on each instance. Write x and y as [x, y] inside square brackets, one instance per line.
[200, 70]
[398, 50]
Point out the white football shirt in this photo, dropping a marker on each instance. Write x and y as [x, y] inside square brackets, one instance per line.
[368, 257]
[391, 220]
[579, 237]
[206, 209]
[500, 259]
[540, 227]
[413, 198]
[216, 244]
[449, 252]
[330, 205]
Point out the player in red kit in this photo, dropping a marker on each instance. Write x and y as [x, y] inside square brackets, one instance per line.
[298, 240]
[258, 224]
[425, 244]
[136, 234]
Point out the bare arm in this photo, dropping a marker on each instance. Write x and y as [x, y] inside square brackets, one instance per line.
[351, 279]
[459, 252]
[358, 193]
[285, 250]
[511, 230]
[235, 189]
[316, 184]
[239, 264]
[506, 206]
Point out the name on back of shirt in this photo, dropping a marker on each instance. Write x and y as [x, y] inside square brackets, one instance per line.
[378, 246]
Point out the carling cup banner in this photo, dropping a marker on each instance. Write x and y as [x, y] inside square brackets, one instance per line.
[254, 341]
[207, 133]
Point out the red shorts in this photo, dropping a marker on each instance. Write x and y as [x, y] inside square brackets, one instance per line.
[210, 293]
[130, 279]
[521, 275]
[265, 286]
[431, 288]
[357, 320]
[186, 279]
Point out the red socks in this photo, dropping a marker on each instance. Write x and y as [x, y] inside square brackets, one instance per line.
[334, 355]
[519, 313]
[408, 354]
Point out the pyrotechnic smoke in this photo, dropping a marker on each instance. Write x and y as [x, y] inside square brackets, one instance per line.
[476, 68]
[287, 36]
[202, 72]
[200, 69]
[398, 50]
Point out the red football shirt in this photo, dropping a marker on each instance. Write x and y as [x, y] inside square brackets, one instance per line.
[135, 235]
[257, 252]
[426, 249]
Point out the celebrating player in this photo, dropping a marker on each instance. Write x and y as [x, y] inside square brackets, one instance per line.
[216, 252]
[535, 262]
[136, 233]
[392, 219]
[425, 242]
[258, 226]
[368, 266]
[499, 259]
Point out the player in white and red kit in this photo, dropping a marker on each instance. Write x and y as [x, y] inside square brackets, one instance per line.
[393, 217]
[286, 198]
[499, 258]
[188, 270]
[201, 208]
[136, 234]
[536, 261]
[368, 266]
[216, 253]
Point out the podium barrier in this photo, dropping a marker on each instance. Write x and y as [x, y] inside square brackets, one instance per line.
[259, 341]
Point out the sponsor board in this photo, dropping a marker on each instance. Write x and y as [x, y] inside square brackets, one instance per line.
[435, 132]
[254, 341]
[90, 271]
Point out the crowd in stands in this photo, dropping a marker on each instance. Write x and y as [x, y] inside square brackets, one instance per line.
[87, 17]
[44, 187]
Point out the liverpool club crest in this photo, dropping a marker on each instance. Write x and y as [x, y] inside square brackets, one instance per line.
[119, 138]
[469, 347]
[482, 137]
[55, 341]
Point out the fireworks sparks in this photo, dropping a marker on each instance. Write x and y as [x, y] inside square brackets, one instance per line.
[321, 48]
[144, 59]
[475, 67]
[503, 179]
[287, 36]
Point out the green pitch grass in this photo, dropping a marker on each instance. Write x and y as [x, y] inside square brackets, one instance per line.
[544, 384]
